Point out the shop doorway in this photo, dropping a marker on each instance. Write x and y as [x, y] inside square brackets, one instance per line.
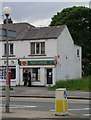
[49, 76]
[25, 76]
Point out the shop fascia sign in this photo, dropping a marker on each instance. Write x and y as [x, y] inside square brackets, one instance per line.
[11, 62]
[41, 62]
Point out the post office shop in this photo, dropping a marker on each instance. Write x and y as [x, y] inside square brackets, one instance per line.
[42, 71]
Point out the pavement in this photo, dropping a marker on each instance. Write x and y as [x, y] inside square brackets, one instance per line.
[41, 92]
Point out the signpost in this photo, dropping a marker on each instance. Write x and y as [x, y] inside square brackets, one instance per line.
[6, 33]
[11, 33]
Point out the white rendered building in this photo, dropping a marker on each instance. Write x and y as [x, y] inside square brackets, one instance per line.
[49, 53]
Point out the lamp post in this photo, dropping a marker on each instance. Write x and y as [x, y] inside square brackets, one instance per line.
[6, 12]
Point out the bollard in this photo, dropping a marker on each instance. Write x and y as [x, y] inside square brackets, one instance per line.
[61, 102]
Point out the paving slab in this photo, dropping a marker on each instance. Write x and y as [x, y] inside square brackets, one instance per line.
[35, 114]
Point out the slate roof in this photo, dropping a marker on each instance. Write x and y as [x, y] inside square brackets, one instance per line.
[25, 31]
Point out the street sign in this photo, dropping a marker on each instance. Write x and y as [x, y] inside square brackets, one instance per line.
[11, 33]
[65, 94]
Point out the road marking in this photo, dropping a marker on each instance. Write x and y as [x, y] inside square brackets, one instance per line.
[20, 106]
[75, 109]
[79, 109]
[52, 110]
[87, 115]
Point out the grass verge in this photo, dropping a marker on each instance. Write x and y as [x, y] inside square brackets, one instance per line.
[74, 84]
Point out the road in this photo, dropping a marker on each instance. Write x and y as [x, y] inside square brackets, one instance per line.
[44, 92]
[78, 108]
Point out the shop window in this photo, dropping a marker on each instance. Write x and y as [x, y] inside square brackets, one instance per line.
[3, 72]
[13, 73]
[35, 74]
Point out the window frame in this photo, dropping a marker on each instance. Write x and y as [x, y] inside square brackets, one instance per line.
[11, 49]
[35, 74]
[78, 53]
[3, 72]
[37, 48]
[10, 52]
[40, 48]
[32, 52]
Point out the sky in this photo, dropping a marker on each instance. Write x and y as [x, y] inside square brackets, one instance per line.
[37, 13]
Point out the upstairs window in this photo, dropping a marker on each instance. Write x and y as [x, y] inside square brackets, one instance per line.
[32, 48]
[78, 54]
[43, 48]
[4, 49]
[38, 48]
[11, 49]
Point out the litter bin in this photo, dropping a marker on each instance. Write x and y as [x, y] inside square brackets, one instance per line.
[61, 102]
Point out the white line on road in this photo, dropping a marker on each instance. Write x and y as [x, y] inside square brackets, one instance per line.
[80, 109]
[87, 115]
[52, 110]
[20, 106]
[75, 109]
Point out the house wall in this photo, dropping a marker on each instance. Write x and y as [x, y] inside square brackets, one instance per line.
[78, 62]
[22, 49]
[63, 49]
[51, 47]
[66, 67]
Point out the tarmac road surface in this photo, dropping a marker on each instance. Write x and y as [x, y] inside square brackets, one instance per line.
[22, 91]
[46, 119]
[44, 108]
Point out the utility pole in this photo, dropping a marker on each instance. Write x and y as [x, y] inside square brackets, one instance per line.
[7, 12]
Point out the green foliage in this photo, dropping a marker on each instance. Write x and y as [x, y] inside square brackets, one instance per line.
[77, 84]
[87, 69]
[78, 21]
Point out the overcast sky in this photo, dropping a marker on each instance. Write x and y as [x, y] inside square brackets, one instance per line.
[38, 13]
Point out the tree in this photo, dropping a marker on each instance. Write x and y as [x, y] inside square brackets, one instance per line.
[78, 21]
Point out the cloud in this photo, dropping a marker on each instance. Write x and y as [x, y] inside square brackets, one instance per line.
[38, 22]
[42, 22]
[46, 0]
[38, 13]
